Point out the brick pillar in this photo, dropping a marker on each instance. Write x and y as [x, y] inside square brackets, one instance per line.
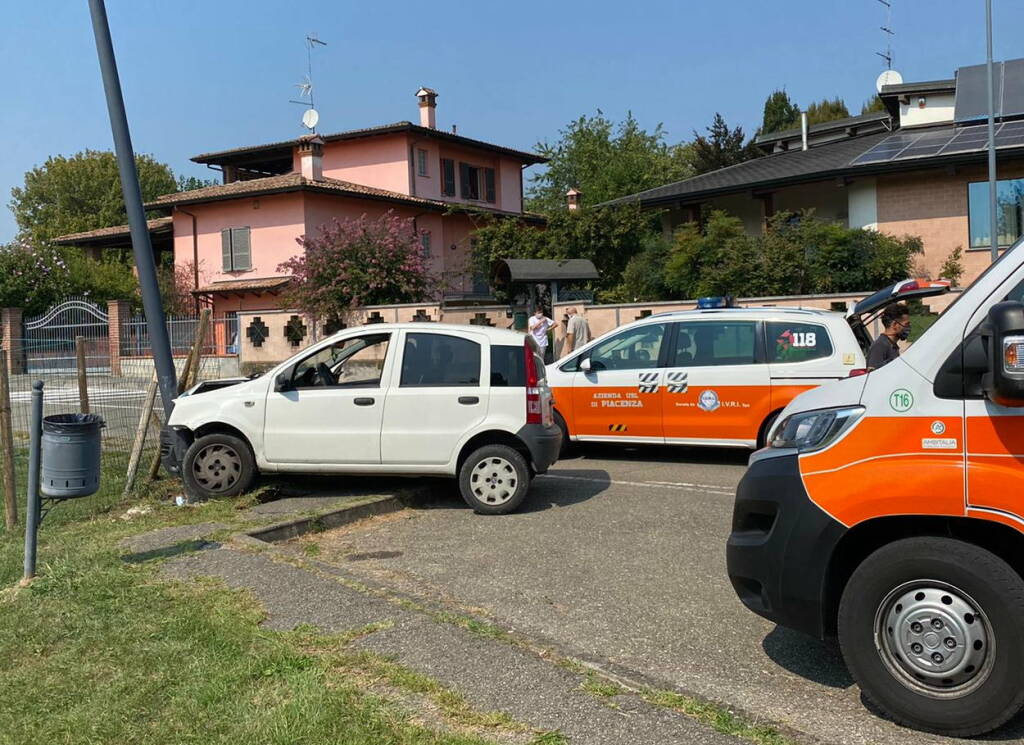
[13, 331]
[118, 314]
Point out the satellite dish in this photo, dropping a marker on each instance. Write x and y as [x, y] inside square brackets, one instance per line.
[310, 118]
[888, 77]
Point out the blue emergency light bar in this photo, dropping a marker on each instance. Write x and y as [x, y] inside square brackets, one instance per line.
[723, 301]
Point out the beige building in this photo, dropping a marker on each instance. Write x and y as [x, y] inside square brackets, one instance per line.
[917, 168]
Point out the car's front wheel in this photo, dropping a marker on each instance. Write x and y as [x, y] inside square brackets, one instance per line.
[931, 630]
[218, 465]
[494, 479]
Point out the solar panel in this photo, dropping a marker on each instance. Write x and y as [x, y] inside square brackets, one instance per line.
[946, 141]
[971, 101]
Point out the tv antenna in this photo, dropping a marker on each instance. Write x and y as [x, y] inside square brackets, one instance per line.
[310, 117]
[889, 33]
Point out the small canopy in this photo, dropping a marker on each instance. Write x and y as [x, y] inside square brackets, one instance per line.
[507, 271]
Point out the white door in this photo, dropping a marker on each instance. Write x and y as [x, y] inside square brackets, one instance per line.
[331, 410]
[438, 393]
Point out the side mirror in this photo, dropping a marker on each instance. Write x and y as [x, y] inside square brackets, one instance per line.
[585, 364]
[1004, 382]
[283, 382]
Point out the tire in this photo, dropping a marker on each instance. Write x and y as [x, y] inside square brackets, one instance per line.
[978, 600]
[494, 479]
[567, 444]
[218, 465]
[766, 427]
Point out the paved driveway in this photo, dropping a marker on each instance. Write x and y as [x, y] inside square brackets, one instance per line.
[619, 556]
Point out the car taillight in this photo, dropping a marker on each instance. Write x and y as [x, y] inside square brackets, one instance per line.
[858, 371]
[533, 404]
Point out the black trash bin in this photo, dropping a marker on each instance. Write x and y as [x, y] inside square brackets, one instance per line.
[70, 458]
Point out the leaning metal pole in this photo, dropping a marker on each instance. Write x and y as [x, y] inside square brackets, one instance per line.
[141, 246]
[992, 211]
[32, 511]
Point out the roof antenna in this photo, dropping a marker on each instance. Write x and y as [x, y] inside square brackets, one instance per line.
[310, 117]
[887, 28]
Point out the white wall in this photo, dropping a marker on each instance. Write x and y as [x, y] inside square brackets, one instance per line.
[863, 204]
[938, 108]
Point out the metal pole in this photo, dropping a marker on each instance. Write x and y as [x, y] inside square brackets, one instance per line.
[992, 211]
[32, 512]
[141, 246]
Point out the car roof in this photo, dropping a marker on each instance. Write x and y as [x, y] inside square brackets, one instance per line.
[763, 310]
[496, 335]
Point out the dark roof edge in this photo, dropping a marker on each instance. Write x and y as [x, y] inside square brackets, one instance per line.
[925, 86]
[850, 121]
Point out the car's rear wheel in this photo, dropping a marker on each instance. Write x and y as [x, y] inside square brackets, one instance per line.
[930, 629]
[494, 479]
[218, 465]
[567, 444]
[766, 427]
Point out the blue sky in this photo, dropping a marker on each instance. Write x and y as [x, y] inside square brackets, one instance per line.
[201, 75]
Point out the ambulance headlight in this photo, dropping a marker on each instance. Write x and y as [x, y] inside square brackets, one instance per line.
[814, 430]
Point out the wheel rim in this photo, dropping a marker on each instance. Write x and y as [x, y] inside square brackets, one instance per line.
[493, 481]
[217, 468]
[934, 639]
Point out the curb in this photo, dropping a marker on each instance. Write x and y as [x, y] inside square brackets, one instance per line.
[288, 529]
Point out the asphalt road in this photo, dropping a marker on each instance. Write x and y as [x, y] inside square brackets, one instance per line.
[619, 556]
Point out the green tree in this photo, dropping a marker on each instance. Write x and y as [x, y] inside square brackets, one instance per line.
[720, 148]
[643, 279]
[32, 279]
[605, 160]
[953, 267]
[189, 183]
[872, 105]
[780, 113]
[827, 110]
[79, 193]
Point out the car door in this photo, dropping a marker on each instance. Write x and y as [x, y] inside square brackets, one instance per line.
[717, 389]
[618, 398]
[802, 355]
[331, 405]
[440, 393]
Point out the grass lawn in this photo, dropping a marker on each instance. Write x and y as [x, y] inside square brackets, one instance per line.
[97, 650]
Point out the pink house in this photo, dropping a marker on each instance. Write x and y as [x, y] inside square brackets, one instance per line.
[233, 236]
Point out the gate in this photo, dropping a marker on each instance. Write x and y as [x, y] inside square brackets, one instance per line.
[49, 343]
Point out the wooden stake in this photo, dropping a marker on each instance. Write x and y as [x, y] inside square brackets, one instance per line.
[140, 436]
[83, 376]
[7, 446]
[188, 375]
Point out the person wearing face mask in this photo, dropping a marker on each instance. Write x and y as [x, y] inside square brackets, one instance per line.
[896, 328]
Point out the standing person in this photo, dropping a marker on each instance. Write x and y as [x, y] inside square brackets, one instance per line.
[577, 333]
[538, 328]
[896, 328]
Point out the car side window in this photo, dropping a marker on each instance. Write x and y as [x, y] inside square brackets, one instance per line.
[439, 360]
[350, 363]
[707, 343]
[634, 349]
[797, 342]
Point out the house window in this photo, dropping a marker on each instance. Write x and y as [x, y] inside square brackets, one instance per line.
[448, 177]
[235, 252]
[469, 176]
[489, 192]
[1009, 203]
[425, 243]
[421, 162]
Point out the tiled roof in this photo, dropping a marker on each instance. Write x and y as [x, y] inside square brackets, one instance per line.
[383, 129]
[158, 225]
[297, 182]
[243, 285]
[874, 117]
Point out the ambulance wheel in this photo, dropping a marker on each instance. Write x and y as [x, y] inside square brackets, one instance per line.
[494, 479]
[567, 444]
[218, 465]
[766, 427]
[930, 630]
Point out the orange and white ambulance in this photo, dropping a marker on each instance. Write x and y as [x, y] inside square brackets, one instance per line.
[713, 376]
[888, 510]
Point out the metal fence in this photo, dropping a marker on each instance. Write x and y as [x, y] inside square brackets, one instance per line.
[221, 336]
[49, 338]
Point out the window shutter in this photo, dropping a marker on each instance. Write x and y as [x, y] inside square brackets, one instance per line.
[465, 177]
[489, 191]
[225, 249]
[241, 258]
[448, 177]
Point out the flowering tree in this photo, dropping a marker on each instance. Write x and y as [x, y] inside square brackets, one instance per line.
[355, 262]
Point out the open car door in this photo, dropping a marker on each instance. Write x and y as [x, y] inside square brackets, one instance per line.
[908, 289]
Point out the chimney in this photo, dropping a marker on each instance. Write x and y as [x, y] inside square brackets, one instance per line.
[428, 107]
[573, 197]
[803, 130]
[311, 158]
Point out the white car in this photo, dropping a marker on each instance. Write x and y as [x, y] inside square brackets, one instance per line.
[464, 401]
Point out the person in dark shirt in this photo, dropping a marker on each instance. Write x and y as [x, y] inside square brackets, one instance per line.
[896, 328]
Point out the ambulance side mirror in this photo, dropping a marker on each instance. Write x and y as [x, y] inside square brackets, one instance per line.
[585, 364]
[1004, 382]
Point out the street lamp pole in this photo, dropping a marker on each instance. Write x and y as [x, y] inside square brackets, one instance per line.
[992, 211]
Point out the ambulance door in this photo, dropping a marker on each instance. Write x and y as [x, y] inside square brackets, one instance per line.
[801, 355]
[618, 398]
[716, 389]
